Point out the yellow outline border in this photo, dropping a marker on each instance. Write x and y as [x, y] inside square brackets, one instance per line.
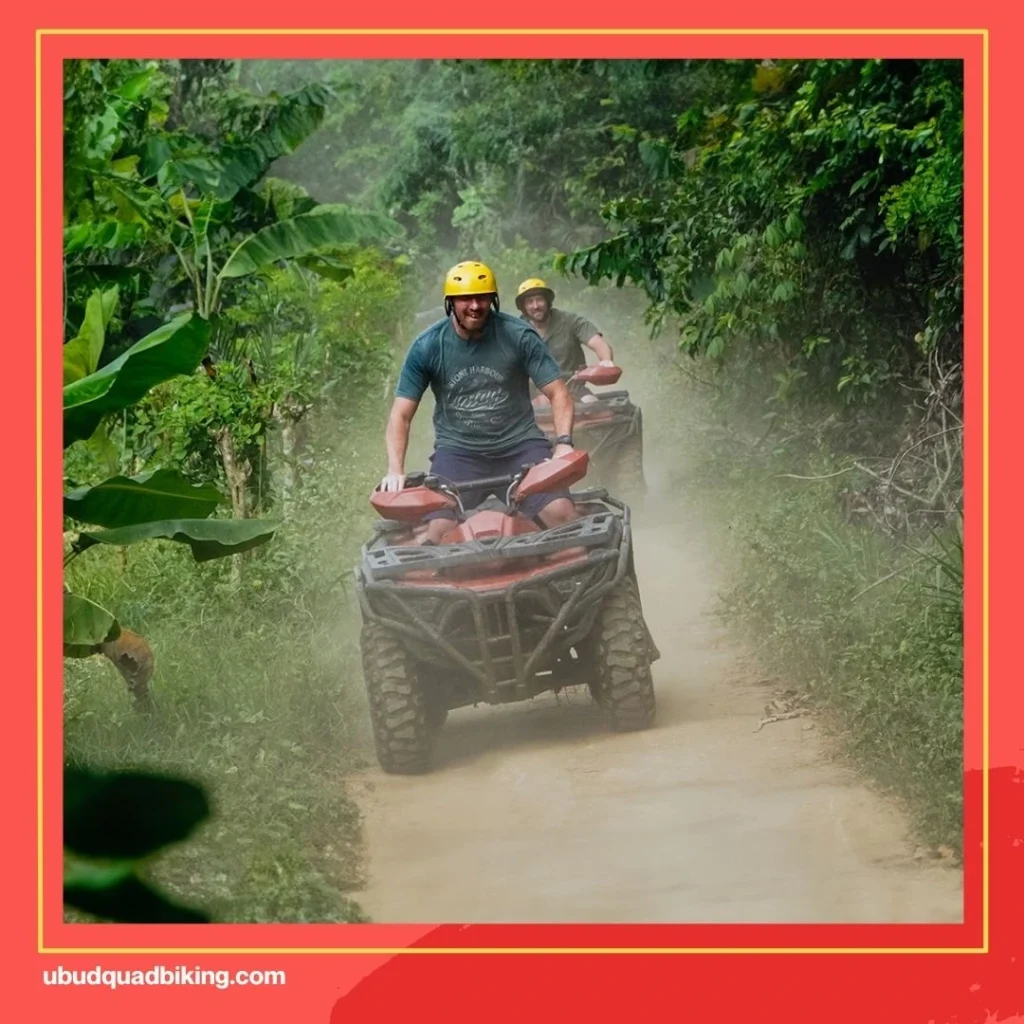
[512, 32]
[984, 494]
[478, 950]
[39, 487]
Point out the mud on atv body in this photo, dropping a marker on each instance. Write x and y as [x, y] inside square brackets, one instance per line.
[500, 611]
[609, 428]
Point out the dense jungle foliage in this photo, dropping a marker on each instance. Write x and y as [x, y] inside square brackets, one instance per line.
[248, 249]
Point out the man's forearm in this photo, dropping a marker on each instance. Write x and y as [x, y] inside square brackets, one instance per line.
[562, 412]
[601, 347]
[396, 441]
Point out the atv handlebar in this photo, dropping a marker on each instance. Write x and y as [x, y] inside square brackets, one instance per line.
[440, 483]
[428, 492]
[487, 482]
[452, 490]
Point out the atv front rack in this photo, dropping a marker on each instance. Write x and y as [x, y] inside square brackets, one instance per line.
[499, 639]
[395, 562]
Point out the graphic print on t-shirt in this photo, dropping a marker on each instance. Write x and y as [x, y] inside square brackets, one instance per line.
[477, 397]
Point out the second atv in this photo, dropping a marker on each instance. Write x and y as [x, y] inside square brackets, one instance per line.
[500, 610]
[608, 425]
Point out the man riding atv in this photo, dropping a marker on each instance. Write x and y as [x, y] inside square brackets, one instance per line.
[466, 600]
[612, 424]
[566, 334]
[479, 363]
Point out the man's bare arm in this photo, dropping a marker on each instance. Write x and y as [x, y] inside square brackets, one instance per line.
[601, 347]
[562, 410]
[396, 442]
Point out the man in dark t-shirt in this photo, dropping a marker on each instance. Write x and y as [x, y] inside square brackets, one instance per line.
[566, 334]
[479, 363]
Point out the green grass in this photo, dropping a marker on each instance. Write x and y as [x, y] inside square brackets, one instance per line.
[259, 696]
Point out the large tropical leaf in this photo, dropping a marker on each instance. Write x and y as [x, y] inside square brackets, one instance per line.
[280, 199]
[102, 450]
[158, 495]
[125, 815]
[86, 626]
[125, 897]
[328, 266]
[208, 538]
[133, 201]
[290, 123]
[112, 822]
[82, 354]
[331, 224]
[184, 169]
[108, 233]
[132, 281]
[156, 151]
[173, 349]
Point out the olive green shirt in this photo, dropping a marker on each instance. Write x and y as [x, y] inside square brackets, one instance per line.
[565, 335]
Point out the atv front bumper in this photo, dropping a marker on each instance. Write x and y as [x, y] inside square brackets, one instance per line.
[516, 618]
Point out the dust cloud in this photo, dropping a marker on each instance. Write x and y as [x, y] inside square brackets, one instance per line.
[535, 812]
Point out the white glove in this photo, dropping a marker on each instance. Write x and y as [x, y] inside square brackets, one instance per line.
[606, 362]
[393, 482]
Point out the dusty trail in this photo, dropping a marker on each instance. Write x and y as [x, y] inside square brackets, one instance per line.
[535, 812]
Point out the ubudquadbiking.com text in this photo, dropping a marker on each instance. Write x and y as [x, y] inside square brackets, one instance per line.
[160, 975]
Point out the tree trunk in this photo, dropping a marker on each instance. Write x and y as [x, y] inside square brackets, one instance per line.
[289, 471]
[290, 416]
[237, 472]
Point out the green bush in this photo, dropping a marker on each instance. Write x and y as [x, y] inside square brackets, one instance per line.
[259, 697]
[257, 682]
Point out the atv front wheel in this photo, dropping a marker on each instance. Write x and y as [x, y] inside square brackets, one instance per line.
[437, 711]
[402, 730]
[621, 665]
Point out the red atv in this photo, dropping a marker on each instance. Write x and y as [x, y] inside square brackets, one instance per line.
[500, 610]
[608, 425]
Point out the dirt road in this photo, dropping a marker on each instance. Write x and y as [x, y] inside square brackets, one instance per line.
[536, 812]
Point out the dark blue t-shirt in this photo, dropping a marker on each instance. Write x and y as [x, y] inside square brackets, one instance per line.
[481, 387]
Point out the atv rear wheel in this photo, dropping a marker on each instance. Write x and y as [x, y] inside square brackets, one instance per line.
[629, 466]
[621, 662]
[402, 730]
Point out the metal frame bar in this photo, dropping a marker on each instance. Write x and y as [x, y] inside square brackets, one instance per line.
[581, 604]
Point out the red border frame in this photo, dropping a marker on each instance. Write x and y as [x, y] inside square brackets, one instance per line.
[936, 980]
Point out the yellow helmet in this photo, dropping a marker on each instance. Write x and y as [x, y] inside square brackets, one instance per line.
[469, 278]
[533, 286]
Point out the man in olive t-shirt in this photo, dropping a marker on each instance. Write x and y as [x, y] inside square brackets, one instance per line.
[479, 363]
[565, 334]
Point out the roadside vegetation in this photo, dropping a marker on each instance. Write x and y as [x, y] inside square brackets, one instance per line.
[249, 248]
